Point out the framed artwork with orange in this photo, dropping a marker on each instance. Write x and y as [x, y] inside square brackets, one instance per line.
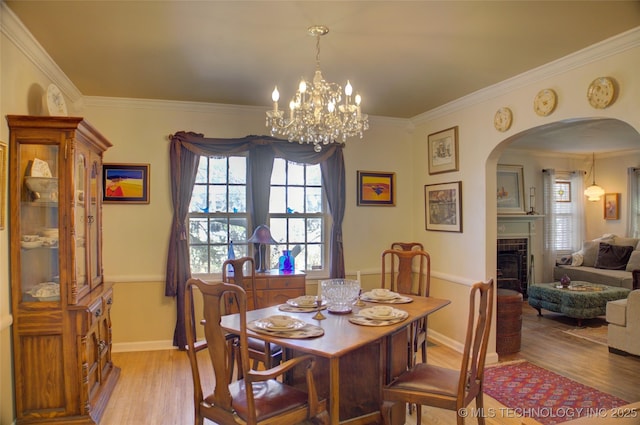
[376, 188]
[125, 183]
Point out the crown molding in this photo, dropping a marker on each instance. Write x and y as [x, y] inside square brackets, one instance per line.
[15, 31]
[596, 52]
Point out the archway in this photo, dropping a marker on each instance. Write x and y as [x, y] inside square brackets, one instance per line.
[575, 138]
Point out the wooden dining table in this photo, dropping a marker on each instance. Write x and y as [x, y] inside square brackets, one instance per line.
[353, 362]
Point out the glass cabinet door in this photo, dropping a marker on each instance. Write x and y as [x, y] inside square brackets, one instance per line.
[39, 219]
[81, 222]
[94, 227]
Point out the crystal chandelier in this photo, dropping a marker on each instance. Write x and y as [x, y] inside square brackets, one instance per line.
[318, 112]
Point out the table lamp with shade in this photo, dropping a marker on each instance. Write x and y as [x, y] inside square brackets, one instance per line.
[262, 236]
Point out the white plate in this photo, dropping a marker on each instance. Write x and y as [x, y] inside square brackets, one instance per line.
[391, 296]
[31, 244]
[305, 301]
[370, 314]
[279, 323]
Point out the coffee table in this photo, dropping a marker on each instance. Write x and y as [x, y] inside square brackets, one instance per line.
[581, 300]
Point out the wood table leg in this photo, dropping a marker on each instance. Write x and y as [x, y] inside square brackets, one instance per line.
[334, 390]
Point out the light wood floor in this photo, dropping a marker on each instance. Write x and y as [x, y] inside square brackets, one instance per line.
[155, 387]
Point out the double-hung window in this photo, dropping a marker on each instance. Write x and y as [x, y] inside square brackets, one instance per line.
[218, 214]
[297, 213]
[563, 214]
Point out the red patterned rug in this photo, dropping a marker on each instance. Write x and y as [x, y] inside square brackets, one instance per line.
[531, 391]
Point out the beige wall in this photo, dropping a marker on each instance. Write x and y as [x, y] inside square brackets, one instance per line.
[461, 258]
[135, 236]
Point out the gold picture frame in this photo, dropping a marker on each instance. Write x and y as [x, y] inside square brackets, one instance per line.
[376, 188]
[443, 151]
[443, 207]
[3, 183]
[612, 206]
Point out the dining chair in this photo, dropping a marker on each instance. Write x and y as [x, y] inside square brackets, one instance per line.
[244, 275]
[430, 385]
[407, 246]
[408, 271]
[260, 397]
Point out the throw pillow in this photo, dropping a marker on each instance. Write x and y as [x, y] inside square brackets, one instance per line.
[634, 261]
[590, 250]
[613, 257]
[576, 259]
[619, 240]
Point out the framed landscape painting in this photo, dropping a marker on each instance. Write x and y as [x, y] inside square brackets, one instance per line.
[376, 188]
[443, 207]
[125, 183]
[510, 189]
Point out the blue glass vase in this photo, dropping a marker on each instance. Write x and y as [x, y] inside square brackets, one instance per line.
[286, 262]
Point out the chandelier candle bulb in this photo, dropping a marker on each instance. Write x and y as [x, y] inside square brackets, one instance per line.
[275, 96]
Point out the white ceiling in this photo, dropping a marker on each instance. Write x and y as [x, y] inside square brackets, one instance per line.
[404, 57]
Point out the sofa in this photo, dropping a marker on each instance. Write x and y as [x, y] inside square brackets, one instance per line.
[623, 318]
[608, 260]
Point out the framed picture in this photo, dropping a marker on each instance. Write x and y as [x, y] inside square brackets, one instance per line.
[443, 206]
[443, 151]
[376, 188]
[611, 206]
[510, 189]
[563, 192]
[3, 182]
[125, 183]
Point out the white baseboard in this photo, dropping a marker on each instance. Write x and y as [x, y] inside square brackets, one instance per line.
[124, 347]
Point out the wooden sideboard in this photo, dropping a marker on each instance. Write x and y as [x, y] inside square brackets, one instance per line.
[273, 287]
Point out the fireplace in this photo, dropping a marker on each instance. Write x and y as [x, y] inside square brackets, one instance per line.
[512, 264]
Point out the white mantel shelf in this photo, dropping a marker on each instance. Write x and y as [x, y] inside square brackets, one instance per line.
[519, 217]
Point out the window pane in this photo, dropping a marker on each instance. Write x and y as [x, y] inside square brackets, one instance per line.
[199, 199]
[295, 200]
[237, 199]
[278, 227]
[218, 199]
[314, 230]
[314, 199]
[278, 175]
[314, 257]
[297, 230]
[218, 229]
[217, 257]
[238, 229]
[199, 256]
[218, 170]
[201, 176]
[295, 174]
[277, 203]
[197, 230]
[314, 176]
[238, 169]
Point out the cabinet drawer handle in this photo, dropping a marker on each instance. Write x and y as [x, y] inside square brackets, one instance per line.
[102, 345]
[110, 301]
[98, 312]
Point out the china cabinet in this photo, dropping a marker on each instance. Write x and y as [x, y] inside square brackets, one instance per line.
[61, 305]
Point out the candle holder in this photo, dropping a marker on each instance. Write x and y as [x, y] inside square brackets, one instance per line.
[319, 315]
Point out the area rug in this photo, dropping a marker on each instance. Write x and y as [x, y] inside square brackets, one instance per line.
[531, 391]
[597, 334]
